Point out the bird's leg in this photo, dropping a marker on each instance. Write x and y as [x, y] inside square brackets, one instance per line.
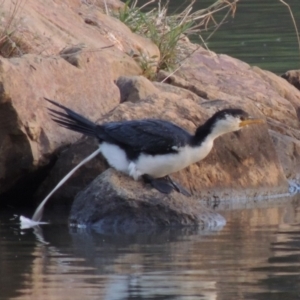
[161, 184]
[178, 187]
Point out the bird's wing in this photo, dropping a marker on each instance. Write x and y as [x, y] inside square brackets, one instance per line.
[149, 136]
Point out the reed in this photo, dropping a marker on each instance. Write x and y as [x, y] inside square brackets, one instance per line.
[168, 32]
[10, 44]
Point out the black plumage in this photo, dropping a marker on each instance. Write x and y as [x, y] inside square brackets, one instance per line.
[150, 136]
[205, 129]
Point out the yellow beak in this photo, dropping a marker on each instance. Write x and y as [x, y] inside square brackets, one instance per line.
[251, 121]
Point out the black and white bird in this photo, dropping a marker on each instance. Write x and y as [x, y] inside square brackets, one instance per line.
[153, 149]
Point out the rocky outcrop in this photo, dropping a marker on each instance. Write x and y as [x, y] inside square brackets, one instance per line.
[53, 67]
[82, 57]
[227, 78]
[224, 77]
[112, 202]
[28, 137]
[46, 28]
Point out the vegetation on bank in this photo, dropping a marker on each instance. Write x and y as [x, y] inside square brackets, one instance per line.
[294, 21]
[10, 44]
[169, 32]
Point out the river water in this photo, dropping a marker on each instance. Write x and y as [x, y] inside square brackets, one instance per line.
[256, 255]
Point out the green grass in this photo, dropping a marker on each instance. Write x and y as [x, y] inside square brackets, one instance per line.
[168, 31]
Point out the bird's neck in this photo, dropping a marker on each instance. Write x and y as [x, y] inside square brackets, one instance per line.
[208, 131]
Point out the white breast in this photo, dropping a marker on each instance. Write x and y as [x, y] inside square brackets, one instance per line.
[154, 165]
[162, 165]
[115, 156]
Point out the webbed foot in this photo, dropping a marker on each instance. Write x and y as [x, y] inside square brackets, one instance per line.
[161, 184]
[179, 188]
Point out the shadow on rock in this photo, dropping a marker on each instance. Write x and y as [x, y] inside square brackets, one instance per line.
[114, 203]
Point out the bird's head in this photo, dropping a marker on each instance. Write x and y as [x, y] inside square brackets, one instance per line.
[228, 120]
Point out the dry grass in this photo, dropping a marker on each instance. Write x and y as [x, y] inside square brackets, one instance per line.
[10, 45]
[168, 31]
[294, 21]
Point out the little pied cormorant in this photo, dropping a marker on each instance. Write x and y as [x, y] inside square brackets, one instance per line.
[153, 149]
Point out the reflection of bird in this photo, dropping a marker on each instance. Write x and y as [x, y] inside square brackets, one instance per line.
[151, 148]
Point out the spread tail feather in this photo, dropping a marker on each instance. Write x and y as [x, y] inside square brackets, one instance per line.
[72, 120]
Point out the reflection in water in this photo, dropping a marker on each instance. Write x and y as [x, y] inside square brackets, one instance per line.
[282, 269]
[255, 256]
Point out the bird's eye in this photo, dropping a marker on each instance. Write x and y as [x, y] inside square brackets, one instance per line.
[242, 118]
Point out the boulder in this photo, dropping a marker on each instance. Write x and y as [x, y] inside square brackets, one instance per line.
[46, 28]
[224, 77]
[28, 136]
[115, 202]
[68, 51]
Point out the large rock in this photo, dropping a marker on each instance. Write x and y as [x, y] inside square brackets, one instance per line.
[28, 136]
[227, 78]
[46, 28]
[75, 52]
[115, 202]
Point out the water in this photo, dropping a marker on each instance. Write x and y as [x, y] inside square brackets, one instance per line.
[261, 33]
[255, 256]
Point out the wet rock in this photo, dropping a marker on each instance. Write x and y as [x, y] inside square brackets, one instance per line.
[114, 201]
